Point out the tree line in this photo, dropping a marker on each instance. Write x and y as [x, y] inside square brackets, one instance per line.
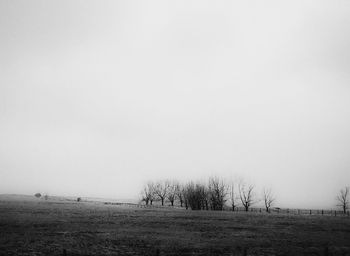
[216, 194]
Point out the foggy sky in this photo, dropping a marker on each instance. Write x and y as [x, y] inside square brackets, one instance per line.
[97, 97]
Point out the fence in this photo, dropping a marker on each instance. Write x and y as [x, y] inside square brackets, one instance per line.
[275, 210]
[320, 212]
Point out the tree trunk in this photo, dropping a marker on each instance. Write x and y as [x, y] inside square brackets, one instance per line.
[162, 201]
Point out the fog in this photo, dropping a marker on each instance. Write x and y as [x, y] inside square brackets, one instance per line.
[97, 98]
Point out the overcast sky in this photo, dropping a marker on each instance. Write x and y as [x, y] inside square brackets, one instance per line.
[97, 97]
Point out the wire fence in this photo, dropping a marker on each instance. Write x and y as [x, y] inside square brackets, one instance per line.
[277, 210]
[274, 210]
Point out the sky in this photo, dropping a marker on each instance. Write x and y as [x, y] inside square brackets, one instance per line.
[97, 98]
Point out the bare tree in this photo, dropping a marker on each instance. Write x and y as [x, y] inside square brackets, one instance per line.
[180, 193]
[204, 192]
[196, 196]
[161, 190]
[246, 194]
[186, 196]
[148, 193]
[269, 199]
[343, 199]
[233, 196]
[144, 195]
[171, 192]
[151, 193]
[217, 193]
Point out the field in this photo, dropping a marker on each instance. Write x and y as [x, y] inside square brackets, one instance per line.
[30, 226]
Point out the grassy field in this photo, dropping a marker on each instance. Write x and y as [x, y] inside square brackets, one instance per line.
[30, 226]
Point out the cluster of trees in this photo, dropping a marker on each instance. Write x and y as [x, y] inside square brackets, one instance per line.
[215, 194]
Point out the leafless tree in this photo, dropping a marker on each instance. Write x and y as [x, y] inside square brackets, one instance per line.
[180, 193]
[268, 198]
[186, 196]
[233, 196]
[151, 193]
[196, 196]
[161, 190]
[343, 199]
[171, 192]
[246, 194]
[217, 193]
[148, 193]
[204, 195]
[144, 195]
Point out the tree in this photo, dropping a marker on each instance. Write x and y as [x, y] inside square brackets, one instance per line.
[148, 193]
[233, 196]
[151, 193]
[217, 193]
[171, 192]
[246, 194]
[196, 196]
[180, 193]
[268, 199]
[343, 199]
[186, 196]
[161, 189]
[144, 195]
[204, 193]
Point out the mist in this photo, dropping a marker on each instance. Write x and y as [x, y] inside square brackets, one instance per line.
[97, 99]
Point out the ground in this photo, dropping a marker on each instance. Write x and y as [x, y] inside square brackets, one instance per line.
[31, 226]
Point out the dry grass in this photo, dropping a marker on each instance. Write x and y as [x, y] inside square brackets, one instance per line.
[39, 227]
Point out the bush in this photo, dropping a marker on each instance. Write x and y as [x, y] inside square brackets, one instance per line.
[37, 195]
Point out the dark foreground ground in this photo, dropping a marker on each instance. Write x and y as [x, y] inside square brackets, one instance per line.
[39, 227]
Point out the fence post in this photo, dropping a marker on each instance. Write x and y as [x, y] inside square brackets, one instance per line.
[310, 212]
[322, 212]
